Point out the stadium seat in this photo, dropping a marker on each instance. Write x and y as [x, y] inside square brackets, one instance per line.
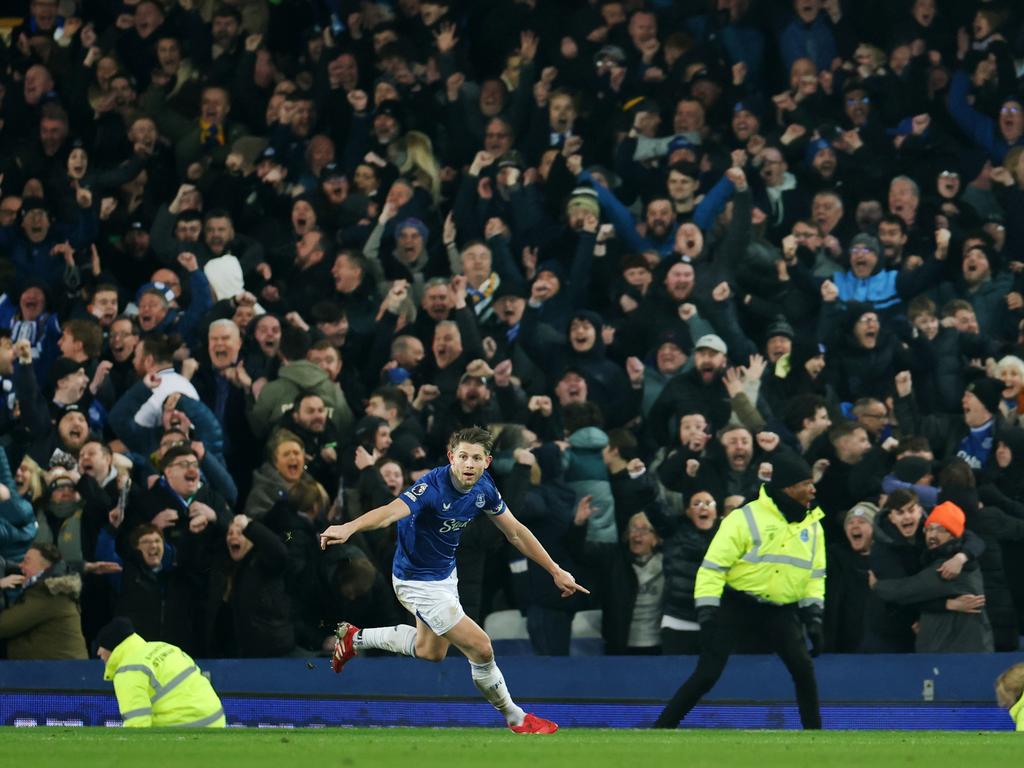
[586, 634]
[507, 630]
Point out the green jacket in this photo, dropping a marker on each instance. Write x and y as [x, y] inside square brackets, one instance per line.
[46, 621]
[158, 684]
[757, 551]
[278, 397]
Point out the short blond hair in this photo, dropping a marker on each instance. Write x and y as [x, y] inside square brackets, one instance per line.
[1010, 686]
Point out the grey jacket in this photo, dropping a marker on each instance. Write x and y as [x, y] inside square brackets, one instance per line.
[942, 631]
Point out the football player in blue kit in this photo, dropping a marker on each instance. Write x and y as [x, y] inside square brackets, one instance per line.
[431, 516]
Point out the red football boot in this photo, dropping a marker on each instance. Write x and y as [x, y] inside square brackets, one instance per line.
[533, 724]
[344, 649]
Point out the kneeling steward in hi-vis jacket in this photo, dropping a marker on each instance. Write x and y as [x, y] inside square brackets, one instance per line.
[157, 684]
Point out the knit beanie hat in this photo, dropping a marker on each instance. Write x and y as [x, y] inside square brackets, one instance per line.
[864, 509]
[586, 198]
[114, 633]
[868, 241]
[413, 223]
[989, 391]
[788, 469]
[950, 517]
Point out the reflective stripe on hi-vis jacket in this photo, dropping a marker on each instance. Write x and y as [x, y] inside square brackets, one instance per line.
[758, 552]
[158, 684]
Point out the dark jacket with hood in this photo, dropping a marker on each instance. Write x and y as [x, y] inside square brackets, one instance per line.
[547, 510]
[162, 602]
[248, 610]
[299, 377]
[607, 382]
[857, 371]
[790, 378]
[687, 393]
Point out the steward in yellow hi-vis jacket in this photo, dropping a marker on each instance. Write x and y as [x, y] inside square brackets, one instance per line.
[762, 576]
[157, 684]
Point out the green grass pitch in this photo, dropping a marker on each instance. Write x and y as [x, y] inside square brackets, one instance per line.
[496, 748]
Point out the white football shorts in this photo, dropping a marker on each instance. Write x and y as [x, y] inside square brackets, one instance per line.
[435, 603]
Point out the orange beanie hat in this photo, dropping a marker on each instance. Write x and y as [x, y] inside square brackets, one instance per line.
[949, 516]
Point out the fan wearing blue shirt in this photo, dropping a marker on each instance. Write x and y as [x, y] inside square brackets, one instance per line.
[431, 516]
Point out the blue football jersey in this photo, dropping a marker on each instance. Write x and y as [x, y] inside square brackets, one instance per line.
[428, 538]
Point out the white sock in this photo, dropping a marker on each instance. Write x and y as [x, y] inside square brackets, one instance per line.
[489, 681]
[400, 639]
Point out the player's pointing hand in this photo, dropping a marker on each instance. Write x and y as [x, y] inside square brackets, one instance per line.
[334, 534]
[567, 584]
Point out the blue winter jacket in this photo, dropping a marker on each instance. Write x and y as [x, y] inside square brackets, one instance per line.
[17, 520]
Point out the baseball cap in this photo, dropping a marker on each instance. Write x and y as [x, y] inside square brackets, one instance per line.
[712, 341]
[64, 366]
[397, 375]
[331, 171]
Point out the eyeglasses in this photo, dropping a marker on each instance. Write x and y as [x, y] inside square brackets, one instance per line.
[640, 529]
[705, 504]
[949, 175]
[861, 249]
[1009, 110]
[861, 100]
[185, 464]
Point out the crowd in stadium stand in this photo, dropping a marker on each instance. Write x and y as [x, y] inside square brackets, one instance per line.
[260, 258]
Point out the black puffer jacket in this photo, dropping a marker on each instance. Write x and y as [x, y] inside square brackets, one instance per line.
[684, 546]
[940, 362]
[858, 372]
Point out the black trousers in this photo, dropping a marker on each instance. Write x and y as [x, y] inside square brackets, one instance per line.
[738, 616]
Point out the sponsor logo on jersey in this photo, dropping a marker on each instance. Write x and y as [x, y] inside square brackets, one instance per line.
[453, 525]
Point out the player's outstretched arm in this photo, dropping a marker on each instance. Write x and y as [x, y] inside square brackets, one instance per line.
[522, 538]
[381, 517]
